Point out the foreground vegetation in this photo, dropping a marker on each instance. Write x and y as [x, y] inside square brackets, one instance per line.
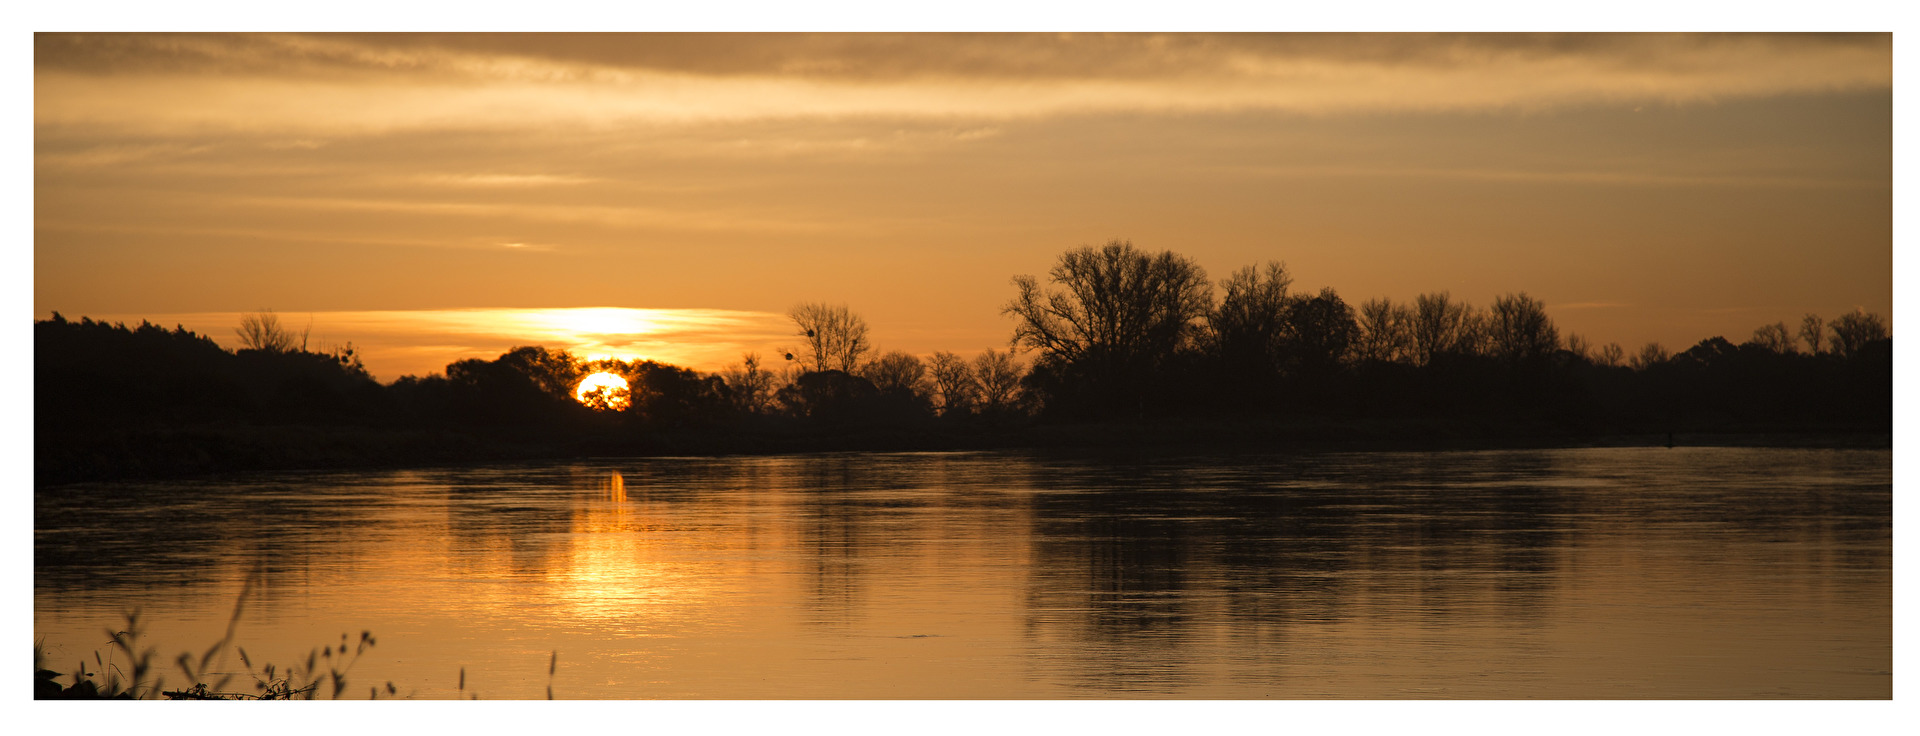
[127, 671]
[1125, 346]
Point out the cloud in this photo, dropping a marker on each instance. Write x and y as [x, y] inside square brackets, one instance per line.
[1591, 305]
[628, 216]
[503, 180]
[1638, 177]
[310, 87]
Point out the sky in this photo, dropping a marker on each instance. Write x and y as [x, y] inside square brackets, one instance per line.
[435, 197]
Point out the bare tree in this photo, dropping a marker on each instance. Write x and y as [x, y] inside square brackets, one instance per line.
[1651, 354]
[1579, 347]
[262, 331]
[1813, 331]
[953, 378]
[1386, 330]
[1853, 330]
[751, 384]
[1611, 355]
[1121, 310]
[1774, 337]
[836, 338]
[1518, 328]
[1476, 331]
[1250, 324]
[1440, 325]
[999, 375]
[899, 373]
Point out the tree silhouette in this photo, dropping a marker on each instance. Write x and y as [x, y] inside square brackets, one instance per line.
[1321, 332]
[749, 385]
[1249, 328]
[836, 338]
[999, 376]
[1519, 330]
[900, 376]
[1578, 347]
[829, 397]
[1386, 331]
[671, 397]
[1122, 311]
[1651, 354]
[1611, 354]
[262, 331]
[1813, 331]
[556, 372]
[954, 380]
[1854, 330]
[1440, 326]
[1774, 337]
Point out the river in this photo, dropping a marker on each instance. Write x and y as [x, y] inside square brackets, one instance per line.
[1576, 573]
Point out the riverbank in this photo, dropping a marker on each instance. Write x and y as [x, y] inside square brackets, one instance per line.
[168, 452]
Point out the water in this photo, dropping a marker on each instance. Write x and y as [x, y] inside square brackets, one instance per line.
[1583, 573]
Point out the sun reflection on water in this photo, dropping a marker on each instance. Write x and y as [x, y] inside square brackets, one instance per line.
[625, 569]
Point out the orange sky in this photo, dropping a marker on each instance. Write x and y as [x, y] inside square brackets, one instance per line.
[1647, 188]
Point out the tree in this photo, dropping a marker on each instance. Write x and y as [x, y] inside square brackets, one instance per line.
[1320, 332]
[1651, 354]
[262, 331]
[897, 374]
[829, 396]
[1579, 347]
[669, 396]
[999, 375]
[1813, 330]
[1476, 331]
[1853, 330]
[749, 385]
[1386, 331]
[954, 380]
[1440, 326]
[502, 391]
[1611, 355]
[1249, 328]
[836, 338]
[556, 372]
[1774, 337]
[1519, 330]
[1122, 312]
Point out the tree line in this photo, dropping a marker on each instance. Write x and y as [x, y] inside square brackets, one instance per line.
[1121, 332]
[1115, 333]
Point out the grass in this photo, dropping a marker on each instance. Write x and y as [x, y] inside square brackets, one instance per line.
[126, 672]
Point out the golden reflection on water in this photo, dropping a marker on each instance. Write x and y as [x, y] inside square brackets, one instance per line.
[621, 565]
[978, 577]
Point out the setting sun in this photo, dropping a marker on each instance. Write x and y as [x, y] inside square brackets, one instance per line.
[603, 391]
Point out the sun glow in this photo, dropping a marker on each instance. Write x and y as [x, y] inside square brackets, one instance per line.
[603, 391]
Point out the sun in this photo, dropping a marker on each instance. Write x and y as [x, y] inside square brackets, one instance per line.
[603, 391]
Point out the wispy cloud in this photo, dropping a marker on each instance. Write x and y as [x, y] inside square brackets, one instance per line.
[503, 180]
[291, 236]
[614, 216]
[1590, 305]
[1638, 178]
[318, 86]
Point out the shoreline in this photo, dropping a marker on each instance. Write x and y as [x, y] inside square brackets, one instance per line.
[126, 454]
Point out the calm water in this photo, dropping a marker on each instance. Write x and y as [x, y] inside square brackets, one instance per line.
[1589, 573]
